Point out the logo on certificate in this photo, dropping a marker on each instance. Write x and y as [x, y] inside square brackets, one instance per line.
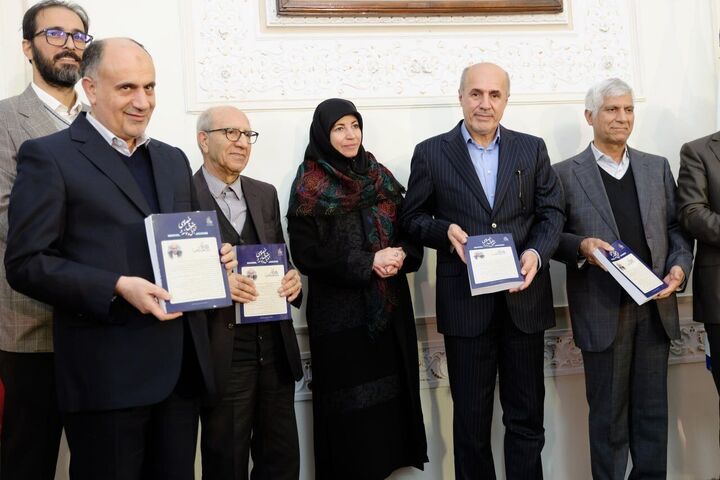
[263, 256]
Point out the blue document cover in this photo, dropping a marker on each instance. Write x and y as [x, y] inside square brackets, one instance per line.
[266, 264]
[638, 280]
[492, 263]
[184, 250]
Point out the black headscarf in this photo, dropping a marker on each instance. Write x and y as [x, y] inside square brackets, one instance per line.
[319, 148]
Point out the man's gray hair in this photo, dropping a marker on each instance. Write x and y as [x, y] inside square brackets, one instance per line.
[463, 75]
[204, 121]
[612, 87]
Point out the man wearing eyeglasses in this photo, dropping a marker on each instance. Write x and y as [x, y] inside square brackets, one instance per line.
[54, 37]
[255, 366]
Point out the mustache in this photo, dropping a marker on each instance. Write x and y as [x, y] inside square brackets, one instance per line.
[67, 53]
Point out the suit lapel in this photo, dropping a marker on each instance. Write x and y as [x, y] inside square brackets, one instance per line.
[715, 145]
[590, 180]
[459, 157]
[105, 158]
[641, 173]
[507, 165]
[163, 177]
[253, 201]
[33, 116]
[207, 202]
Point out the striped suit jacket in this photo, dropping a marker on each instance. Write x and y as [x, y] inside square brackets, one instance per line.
[593, 295]
[444, 188]
[25, 324]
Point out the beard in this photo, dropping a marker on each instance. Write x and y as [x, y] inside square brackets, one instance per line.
[64, 76]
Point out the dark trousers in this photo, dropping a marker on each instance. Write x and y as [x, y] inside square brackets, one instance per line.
[32, 425]
[626, 389]
[473, 363]
[255, 416]
[149, 442]
[713, 334]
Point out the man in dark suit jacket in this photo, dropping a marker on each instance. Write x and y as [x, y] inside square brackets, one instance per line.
[613, 192]
[54, 37]
[699, 212]
[129, 375]
[256, 365]
[480, 178]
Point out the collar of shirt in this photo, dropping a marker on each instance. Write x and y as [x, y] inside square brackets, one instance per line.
[54, 105]
[113, 140]
[616, 170]
[217, 186]
[469, 140]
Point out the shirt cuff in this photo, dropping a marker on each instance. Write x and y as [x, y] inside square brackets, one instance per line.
[537, 255]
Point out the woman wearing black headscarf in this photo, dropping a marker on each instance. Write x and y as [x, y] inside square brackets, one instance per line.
[342, 223]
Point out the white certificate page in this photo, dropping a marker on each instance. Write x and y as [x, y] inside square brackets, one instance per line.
[268, 279]
[493, 264]
[637, 272]
[192, 269]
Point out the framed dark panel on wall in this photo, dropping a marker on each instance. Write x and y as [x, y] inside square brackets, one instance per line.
[372, 8]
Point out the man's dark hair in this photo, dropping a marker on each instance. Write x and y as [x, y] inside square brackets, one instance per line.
[29, 23]
[91, 58]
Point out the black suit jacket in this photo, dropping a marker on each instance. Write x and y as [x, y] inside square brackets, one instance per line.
[444, 188]
[262, 202]
[76, 225]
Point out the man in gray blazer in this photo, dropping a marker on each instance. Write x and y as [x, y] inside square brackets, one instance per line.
[54, 37]
[255, 365]
[613, 192]
[699, 212]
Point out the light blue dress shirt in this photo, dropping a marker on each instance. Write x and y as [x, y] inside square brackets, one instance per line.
[485, 161]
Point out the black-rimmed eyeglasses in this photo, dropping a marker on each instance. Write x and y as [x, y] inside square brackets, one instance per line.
[234, 134]
[58, 38]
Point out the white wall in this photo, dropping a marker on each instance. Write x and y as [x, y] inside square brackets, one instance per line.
[666, 48]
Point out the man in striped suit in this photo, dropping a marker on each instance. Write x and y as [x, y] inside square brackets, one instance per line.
[481, 178]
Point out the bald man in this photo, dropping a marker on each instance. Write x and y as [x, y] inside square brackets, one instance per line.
[129, 376]
[481, 178]
[255, 365]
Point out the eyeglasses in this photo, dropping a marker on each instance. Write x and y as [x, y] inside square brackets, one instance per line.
[58, 38]
[234, 134]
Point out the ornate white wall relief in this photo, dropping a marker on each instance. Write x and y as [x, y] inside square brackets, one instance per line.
[237, 51]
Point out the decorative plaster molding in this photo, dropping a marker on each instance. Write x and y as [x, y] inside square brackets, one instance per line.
[562, 357]
[232, 56]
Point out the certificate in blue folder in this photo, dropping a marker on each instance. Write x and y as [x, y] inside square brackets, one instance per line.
[492, 263]
[184, 251]
[636, 278]
[266, 264]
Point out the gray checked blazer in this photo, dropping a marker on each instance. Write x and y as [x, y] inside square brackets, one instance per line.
[593, 295]
[25, 324]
